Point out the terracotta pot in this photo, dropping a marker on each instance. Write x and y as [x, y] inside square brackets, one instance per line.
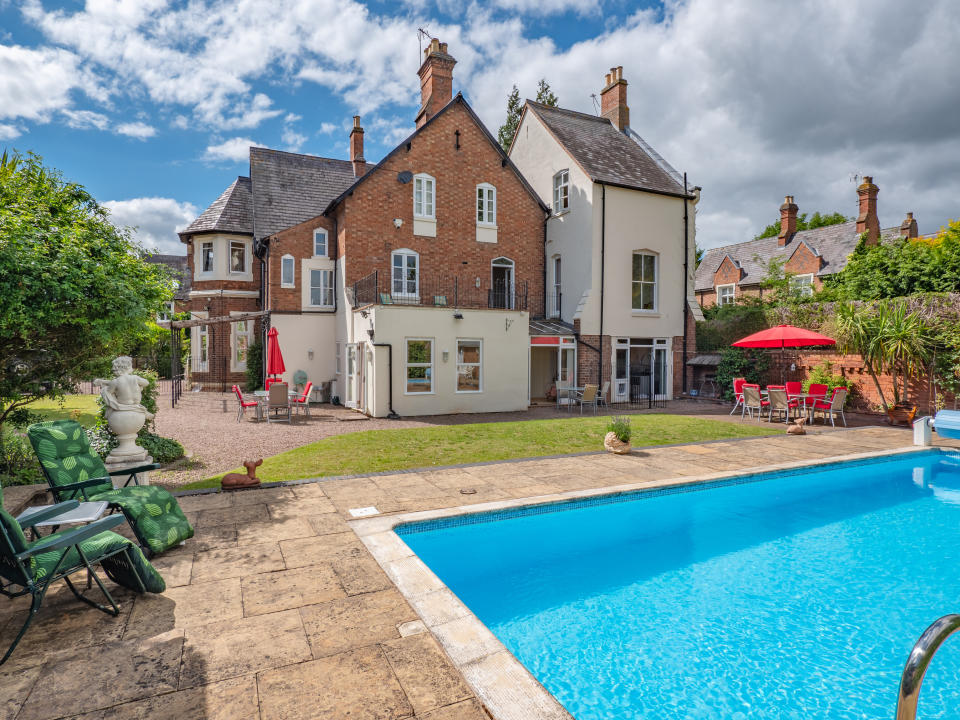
[615, 445]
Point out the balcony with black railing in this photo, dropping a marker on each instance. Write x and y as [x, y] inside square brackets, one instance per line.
[553, 307]
[442, 291]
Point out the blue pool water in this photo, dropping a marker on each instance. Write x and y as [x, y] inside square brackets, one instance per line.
[796, 595]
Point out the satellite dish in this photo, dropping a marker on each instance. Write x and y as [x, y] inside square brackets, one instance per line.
[404, 177]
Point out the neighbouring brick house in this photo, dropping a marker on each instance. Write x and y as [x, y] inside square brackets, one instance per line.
[619, 251]
[409, 284]
[735, 271]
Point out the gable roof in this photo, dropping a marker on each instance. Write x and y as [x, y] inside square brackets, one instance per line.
[458, 100]
[833, 243]
[231, 212]
[289, 188]
[607, 155]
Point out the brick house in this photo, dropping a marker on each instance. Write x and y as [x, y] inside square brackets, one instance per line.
[619, 251]
[808, 256]
[408, 285]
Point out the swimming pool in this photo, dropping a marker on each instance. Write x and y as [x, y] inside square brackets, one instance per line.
[786, 595]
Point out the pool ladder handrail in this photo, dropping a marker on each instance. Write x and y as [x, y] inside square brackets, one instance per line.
[918, 662]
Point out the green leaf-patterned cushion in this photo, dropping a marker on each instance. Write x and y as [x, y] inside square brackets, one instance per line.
[117, 567]
[65, 454]
[153, 514]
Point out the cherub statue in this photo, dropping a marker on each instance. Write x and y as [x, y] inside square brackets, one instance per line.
[123, 410]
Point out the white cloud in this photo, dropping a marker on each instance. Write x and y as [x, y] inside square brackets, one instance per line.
[292, 139]
[9, 132]
[233, 150]
[549, 7]
[156, 219]
[35, 82]
[138, 130]
[327, 128]
[85, 119]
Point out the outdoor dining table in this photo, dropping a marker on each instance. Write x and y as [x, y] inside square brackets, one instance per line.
[569, 392]
[263, 396]
[807, 406]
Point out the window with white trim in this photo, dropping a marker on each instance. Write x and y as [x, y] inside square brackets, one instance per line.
[726, 294]
[801, 285]
[200, 341]
[288, 271]
[338, 361]
[644, 282]
[241, 344]
[561, 191]
[166, 314]
[486, 204]
[554, 303]
[424, 196]
[320, 242]
[419, 366]
[469, 366]
[238, 257]
[321, 288]
[405, 273]
[206, 257]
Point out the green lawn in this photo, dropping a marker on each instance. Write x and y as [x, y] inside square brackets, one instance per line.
[84, 405]
[379, 450]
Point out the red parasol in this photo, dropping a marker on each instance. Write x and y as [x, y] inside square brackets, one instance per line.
[784, 336]
[274, 356]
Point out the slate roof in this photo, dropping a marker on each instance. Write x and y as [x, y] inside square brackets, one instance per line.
[834, 243]
[231, 212]
[178, 266]
[289, 188]
[606, 154]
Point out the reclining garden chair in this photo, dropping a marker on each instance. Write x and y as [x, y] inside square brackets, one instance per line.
[32, 567]
[75, 472]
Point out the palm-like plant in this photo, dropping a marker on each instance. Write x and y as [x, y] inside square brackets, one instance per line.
[858, 330]
[904, 343]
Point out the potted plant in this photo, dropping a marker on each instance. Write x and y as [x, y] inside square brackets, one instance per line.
[617, 439]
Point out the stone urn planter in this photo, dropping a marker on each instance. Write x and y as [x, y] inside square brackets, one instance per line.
[615, 445]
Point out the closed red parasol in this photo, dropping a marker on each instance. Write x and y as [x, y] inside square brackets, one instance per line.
[274, 356]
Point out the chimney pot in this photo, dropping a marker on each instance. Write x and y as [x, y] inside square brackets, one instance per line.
[436, 80]
[613, 99]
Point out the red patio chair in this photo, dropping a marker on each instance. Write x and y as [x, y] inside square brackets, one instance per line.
[738, 384]
[835, 405]
[776, 387]
[244, 404]
[303, 402]
[270, 381]
[752, 401]
[794, 388]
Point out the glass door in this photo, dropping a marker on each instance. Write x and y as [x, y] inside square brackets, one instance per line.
[621, 374]
[350, 391]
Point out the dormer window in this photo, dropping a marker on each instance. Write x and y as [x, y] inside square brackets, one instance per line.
[320, 242]
[424, 196]
[561, 192]
[486, 204]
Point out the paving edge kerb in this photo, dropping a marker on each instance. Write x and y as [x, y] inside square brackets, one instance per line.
[502, 683]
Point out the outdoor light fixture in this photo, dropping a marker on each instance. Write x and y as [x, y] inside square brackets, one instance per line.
[398, 223]
[446, 355]
[310, 354]
[457, 315]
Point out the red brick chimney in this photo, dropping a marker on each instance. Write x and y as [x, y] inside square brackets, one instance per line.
[436, 80]
[356, 148]
[788, 221]
[908, 228]
[867, 220]
[613, 99]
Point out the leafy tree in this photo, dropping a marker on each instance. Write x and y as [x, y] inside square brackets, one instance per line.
[74, 289]
[509, 127]
[815, 221]
[545, 95]
[700, 252]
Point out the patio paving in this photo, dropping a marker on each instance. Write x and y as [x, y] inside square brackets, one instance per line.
[277, 610]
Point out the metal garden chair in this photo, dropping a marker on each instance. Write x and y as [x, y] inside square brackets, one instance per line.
[30, 568]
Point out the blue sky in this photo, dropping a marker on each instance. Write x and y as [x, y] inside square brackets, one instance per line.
[152, 103]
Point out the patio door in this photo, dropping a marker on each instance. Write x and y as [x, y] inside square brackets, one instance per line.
[502, 284]
[620, 392]
[350, 391]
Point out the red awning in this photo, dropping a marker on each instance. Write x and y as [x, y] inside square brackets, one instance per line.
[274, 356]
[784, 336]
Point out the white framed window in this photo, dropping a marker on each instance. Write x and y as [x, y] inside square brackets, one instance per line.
[726, 294]
[337, 359]
[424, 196]
[238, 257]
[166, 314]
[644, 282]
[206, 257]
[287, 272]
[469, 366]
[320, 242]
[486, 204]
[200, 343]
[405, 274]
[241, 344]
[554, 303]
[802, 285]
[321, 288]
[561, 192]
[419, 366]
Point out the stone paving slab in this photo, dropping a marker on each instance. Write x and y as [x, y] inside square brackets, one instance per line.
[278, 609]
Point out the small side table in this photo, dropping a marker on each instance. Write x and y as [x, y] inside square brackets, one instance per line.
[85, 512]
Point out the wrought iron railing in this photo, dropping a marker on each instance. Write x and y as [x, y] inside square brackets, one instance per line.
[442, 291]
[554, 305]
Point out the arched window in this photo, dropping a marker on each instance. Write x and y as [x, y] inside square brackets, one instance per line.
[486, 204]
[405, 274]
[287, 272]
[501, 283]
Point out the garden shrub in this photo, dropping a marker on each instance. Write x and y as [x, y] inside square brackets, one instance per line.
[822, 375]
[255, 366]
[741, 362]
[18, 463]
[163, 450]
